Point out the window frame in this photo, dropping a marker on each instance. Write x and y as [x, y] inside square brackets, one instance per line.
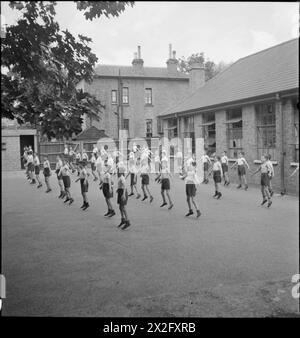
[151, 124]
[111, 96]
[265, 130]
[234, 127]
[146, 97]
[125, 96]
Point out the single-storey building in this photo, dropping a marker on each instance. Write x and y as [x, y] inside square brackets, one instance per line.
[252, 106]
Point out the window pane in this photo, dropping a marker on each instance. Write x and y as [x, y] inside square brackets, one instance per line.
[125, 95]
[148, 96]
[114, 96]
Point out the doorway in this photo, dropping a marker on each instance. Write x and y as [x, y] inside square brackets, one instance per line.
[25, 141]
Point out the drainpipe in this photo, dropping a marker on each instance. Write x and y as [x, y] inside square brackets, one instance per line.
[282, 150]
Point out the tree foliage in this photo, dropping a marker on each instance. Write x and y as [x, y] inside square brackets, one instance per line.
[211, 69]
[44, 65]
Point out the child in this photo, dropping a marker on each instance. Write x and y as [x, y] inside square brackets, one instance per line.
[84, 156]
[271, 170]
[58, 166]
[156, 165]
[190, 188]
[78, 159]
[30, 165]
[206, 162]
[93, 165]
[145, 179]
[241, 163]
[65, 172]
[99, 167]
[95, 150]
[47, 173]
[265, 175]
[107, 190]
[122, 198]
[224, 163]
[133, 175]
[217, 175]
[72, 159]
[165, 176]
[25, 156]
[84, 184]
[36, 162]
[179, 161]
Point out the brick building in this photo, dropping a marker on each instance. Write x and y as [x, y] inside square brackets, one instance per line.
[137, 94]
[13, 140]
[252, 106]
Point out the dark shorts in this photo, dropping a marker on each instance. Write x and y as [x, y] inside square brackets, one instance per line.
[205, 166]
[30, 166]
[224, 167]
[93, 166]
[217, 176]
[190, 190]
[46, 172]
[145, 179]
[84, 187]
[241, 170]
[67, 181]
[120, 201]
[132, 179]
[84, 161]
[105, 190]
[265, 180]
[37, 169]
[165, 184]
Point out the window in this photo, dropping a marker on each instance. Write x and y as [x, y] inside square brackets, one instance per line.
[3, 145]
[148, 96]
[125, 95]
[159, 126]
[114, 96]
[126, 124]
[234, 132]
[172, 128]
[209, 133]
[188, 130]
[149, 128]
[296, 131]
[266, 130]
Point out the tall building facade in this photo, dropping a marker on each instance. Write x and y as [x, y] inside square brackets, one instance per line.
[135, 95]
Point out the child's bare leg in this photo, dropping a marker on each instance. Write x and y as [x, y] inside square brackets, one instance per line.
[147, 188]
[169, 198]
[188, 199]
[195, 204]
[163, 196]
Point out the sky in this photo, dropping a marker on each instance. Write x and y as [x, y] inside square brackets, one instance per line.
[224, 31]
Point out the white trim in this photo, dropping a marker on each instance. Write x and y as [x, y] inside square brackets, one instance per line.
[294, 164]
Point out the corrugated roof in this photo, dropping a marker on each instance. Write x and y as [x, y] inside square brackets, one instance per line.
[130, 71]
[91, 133]
[272, 70]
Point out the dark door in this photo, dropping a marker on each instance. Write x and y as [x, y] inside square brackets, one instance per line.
[25, 141]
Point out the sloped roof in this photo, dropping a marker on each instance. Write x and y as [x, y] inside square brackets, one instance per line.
[272, 70]
[130, 71]
[91, 133]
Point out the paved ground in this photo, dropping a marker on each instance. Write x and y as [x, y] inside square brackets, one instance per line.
[236, 260]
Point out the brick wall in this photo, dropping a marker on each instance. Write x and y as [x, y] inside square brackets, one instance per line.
[165, 93]
[11, 156]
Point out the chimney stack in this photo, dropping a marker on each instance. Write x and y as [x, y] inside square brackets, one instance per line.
[172, 62]
[138, 62]
[197, 76]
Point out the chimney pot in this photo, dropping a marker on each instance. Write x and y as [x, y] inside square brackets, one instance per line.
[174, 54]
[170, 51]
[139, 52]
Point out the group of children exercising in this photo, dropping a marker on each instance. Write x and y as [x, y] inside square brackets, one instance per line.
[105, 165]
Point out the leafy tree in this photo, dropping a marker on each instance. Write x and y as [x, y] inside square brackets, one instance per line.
[44, 65]
[211, 69]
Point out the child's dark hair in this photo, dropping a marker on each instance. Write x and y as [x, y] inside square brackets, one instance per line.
[269, 157]
[242, 153]
[218, 158]
[225, 152]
